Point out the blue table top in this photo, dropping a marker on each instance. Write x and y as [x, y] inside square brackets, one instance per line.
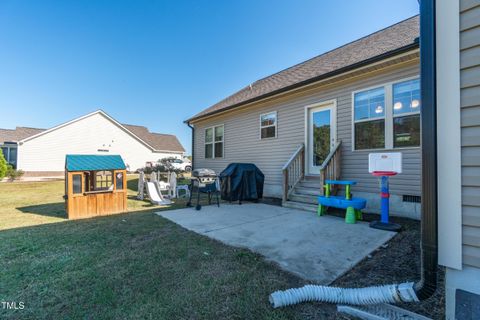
[342, 182]
[342, 203]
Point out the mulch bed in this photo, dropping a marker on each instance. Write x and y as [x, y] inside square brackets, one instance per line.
[398, 261]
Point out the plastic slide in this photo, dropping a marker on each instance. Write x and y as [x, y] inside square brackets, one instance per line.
[155, 197]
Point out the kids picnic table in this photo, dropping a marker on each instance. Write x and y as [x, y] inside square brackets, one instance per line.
[352, 205]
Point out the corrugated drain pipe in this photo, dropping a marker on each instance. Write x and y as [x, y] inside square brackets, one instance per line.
[426, 286]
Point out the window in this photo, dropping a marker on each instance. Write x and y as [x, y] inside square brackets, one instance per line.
[5, 153]
[209, 143]
[214, 142]
[13, 157]
[103, 180]
[388, 116]
[10, 154]
[406, 114]
[268, 125]
[369, 115]
[77, 183]
[119, 181]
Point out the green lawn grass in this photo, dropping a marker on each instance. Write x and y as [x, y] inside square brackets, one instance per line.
[129, 266]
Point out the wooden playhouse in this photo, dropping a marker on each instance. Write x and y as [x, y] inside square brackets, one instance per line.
[95, 185]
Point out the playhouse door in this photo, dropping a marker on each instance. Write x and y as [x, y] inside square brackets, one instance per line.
[321, 134]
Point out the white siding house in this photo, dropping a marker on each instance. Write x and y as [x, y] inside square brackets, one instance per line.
[43, 154]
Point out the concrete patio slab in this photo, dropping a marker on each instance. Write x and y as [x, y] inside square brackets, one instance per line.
[315, 248]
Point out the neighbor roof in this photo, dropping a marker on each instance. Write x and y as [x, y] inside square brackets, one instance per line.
[156, 141]
[391, 40]
[87, 162]
[17, 134]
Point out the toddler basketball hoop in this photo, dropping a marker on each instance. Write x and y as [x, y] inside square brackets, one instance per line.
[385, 165]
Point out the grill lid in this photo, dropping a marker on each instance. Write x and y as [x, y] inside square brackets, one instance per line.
[203, 172]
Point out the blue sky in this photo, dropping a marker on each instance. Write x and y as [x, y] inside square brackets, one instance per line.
[156, 63]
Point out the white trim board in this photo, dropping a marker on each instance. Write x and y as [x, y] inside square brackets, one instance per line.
[388, 116]
[449, 164]
[328, 103]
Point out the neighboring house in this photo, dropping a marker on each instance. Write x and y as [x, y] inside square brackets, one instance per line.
[41, 152]
[9, 139]
[458, 136]
[365, 94]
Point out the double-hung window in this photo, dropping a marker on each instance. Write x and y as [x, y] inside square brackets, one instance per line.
[214, 142]
[268, 125]
[388, 116]
[369, 110]
[406, 114]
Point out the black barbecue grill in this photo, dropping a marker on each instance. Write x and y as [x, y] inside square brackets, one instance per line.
[242, 181]
[204, 181]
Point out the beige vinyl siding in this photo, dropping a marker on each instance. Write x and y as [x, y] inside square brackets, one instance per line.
[243, 144]
[470, 119]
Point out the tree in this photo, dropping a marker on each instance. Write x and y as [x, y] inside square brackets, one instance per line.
[3, 165]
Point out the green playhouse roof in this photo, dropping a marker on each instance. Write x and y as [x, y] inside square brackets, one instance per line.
[83, 162]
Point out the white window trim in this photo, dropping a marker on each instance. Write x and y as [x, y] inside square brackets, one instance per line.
[388, 116]
[213, 141]
[274, 125]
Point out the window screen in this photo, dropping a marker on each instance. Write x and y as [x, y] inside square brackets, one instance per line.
[77, 183]
[119, 181]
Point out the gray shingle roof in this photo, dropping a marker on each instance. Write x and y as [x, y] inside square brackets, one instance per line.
[158, 141]
[391, 39]
[17, 134]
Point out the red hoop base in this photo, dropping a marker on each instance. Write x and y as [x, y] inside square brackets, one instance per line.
[384, 173]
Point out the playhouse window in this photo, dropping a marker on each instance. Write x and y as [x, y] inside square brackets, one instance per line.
[77, 183]
[119, 181]
[103, 180]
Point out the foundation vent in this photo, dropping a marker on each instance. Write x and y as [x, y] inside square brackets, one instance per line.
[411, 198]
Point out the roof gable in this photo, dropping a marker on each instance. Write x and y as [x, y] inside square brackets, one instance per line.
[155, 141]
[389, 40]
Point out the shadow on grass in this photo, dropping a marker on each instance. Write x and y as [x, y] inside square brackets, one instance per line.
[56, 209]
[132, 264]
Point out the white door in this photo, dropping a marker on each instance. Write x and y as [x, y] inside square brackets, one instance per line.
[321, 135]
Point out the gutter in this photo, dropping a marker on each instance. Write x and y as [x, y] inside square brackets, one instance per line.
[351, 67]
[193, 141]
[427, 285]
